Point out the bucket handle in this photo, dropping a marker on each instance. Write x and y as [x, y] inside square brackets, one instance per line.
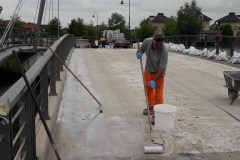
[172, 116]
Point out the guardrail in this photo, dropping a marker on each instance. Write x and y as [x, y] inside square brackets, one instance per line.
[17, 111]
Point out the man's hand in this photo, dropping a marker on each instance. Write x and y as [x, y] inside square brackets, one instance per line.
[139, 55]
[152, 84]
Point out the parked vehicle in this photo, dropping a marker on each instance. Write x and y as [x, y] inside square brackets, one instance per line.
[115, 38]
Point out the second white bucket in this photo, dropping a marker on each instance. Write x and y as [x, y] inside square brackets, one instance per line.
[164, 116]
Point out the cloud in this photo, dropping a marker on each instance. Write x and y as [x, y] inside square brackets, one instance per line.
[139, 9]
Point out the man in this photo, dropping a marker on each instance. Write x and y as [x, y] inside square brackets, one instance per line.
[156, 63]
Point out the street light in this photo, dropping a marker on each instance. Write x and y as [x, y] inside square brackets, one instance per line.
[58, 21]
[97, 21]
[129, 30]
[1, 8]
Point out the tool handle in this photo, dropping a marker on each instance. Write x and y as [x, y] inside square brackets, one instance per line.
[145, 92]
[73, 75]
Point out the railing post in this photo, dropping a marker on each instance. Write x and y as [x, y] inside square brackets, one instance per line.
[61, 52]
[58, 66]
[6, 148]
[25, 37]
[53, 77]
[217, 44]
[44, 93]
[28, 116]
[19, 36]
[186, 42]
[232, 46]
[205, 40]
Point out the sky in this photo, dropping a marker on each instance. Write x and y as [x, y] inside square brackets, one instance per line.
[139, 9]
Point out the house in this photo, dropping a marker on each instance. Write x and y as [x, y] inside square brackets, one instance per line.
[3, 23]
[206, 22]
[231, 19]
[28, 26]
[158, 21]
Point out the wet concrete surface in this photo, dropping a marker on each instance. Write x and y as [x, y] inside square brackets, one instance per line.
[204, 127]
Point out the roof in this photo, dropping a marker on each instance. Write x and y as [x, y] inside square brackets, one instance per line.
[28, 26]
[160, 18]
[232, 17]
[206, 18]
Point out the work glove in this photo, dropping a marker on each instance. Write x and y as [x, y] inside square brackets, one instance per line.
[152, 84]
[139, 55]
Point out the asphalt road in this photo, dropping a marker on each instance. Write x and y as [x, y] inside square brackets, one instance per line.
[206, 126]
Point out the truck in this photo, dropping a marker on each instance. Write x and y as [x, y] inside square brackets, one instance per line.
[115, 38]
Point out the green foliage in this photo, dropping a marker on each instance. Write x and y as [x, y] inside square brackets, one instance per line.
[146, 30]
[89, 32]
[226, 30]
[76, 27]
[189, 19]
[101, 28]
[170, 27]
[53, 27]
[116, 21]
[18, 23]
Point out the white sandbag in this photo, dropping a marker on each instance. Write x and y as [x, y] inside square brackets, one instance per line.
[192, 51]
[203, 52]
[212, 55]
[235, 58]
[222, 56]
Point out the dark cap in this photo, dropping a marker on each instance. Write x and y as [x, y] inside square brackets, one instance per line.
[158, 37]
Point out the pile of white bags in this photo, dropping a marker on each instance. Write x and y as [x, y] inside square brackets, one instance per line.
[235, 59]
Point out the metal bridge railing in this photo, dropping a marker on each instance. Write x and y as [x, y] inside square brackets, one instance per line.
[17, 110]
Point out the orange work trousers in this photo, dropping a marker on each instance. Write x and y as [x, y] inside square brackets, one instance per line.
[154, 97]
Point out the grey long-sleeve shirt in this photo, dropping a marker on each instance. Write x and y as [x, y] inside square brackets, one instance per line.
[156, 58]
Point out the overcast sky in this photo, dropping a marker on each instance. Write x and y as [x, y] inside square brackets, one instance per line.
[140, 9]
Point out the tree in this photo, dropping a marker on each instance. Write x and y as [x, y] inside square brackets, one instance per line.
[146, 30]
[76, 27]
[53, 27]
[116, 21]
[89, 32]
[170, 27]
[71, 27]
[189, 19]
[101, 28]
[226, 30]
[18, 23]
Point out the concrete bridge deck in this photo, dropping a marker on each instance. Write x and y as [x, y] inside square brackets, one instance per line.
[203, 129]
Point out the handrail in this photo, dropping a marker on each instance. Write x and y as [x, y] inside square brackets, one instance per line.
[17, 113]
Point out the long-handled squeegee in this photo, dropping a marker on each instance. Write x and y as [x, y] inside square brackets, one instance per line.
[149, 149]
[54, 53]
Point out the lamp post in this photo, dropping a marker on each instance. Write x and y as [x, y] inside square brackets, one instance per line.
[1, 8]
[97, 21]
[58, 21]
[129, 29]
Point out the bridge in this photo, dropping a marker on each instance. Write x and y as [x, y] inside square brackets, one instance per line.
[207, 126]
[57, 118]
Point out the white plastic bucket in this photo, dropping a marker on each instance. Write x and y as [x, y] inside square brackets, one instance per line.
[164, 116]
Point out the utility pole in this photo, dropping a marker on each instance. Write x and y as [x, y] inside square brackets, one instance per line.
[58, 21]
[40, 14]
